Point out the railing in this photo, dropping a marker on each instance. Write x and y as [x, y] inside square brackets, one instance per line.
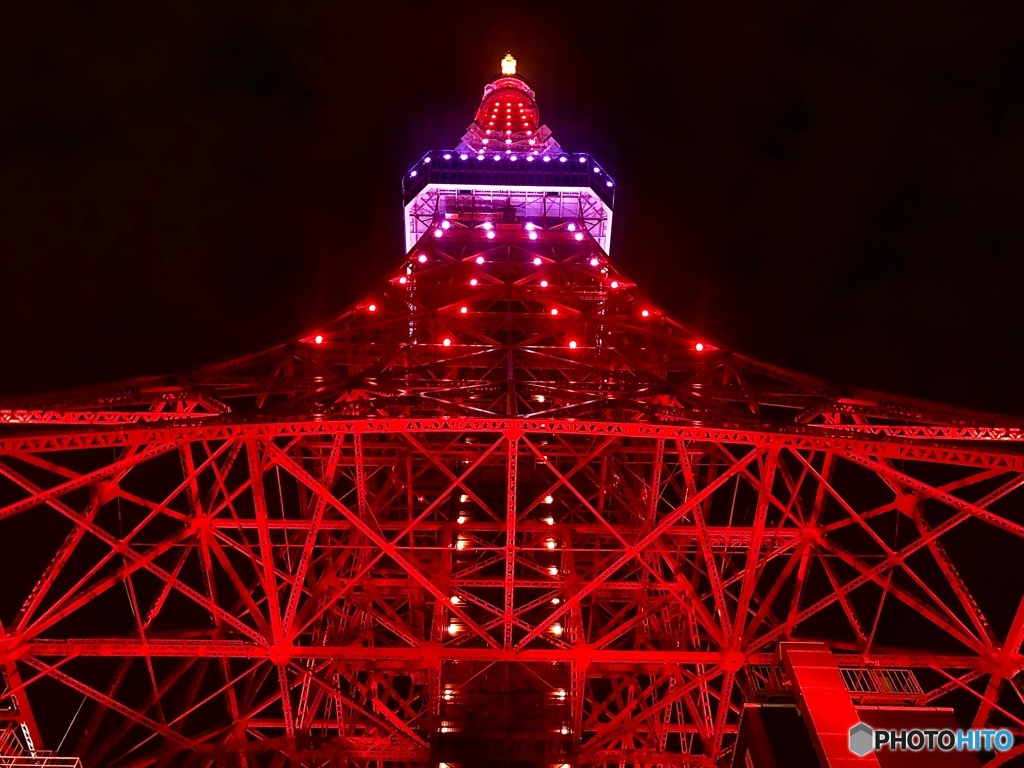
[13, 754]
[879, 684]
[883, 682]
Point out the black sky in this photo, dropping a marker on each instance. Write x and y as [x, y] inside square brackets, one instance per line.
[835, 187]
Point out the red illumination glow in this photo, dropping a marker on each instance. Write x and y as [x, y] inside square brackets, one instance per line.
[308, 513]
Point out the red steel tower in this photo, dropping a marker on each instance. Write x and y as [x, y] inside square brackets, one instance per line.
[503, 511]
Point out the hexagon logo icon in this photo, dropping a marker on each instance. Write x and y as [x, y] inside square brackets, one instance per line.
[862, 739]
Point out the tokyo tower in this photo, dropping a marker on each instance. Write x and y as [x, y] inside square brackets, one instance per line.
[504, 511]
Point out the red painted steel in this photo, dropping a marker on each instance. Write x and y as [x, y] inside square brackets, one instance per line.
[369, 547]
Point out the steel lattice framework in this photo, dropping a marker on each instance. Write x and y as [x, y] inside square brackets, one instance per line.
[505, 482]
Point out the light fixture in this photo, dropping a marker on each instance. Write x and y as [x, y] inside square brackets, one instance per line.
[461, 543]
[447, 156]
[563, 159]
[553, 570]
[453, 629]
[536, 261]
[554, 310]
[583, 159]
[463, 310]
[446, 224]
[318, 339]
[547, 158]
[572, 344]
[556, 600]
[413, 173]
[543, 283]
[550, 544]
[615, 283]
[446, 342]
[463, 156]
[699, 347]
[645, 313]
[539, 398]
[549, 520]
[422, 258]
[438, 233]
[463, 498]
[461, 519]
[530, 226]
[403, 280]
[473, 281]
[372, 308]
[533, 235]
[549, 499]
[480, 259]
[594, 261]
[556, 629]
[579, 236]
[455, 599]
[571, 227]
[490, 234]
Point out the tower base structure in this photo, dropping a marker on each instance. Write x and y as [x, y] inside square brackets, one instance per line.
[504, 509]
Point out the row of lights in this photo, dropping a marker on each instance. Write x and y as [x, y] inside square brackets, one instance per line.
[514, 157]
[447, 342]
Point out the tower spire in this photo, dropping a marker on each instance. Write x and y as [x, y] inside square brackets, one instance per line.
[508, 158]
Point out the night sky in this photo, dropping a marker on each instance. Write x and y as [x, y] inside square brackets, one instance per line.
[834, 187]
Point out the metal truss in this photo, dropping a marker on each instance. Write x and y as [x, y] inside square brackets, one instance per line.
[504, 506]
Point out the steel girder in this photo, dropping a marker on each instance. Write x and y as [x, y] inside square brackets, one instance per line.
[337, 550]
